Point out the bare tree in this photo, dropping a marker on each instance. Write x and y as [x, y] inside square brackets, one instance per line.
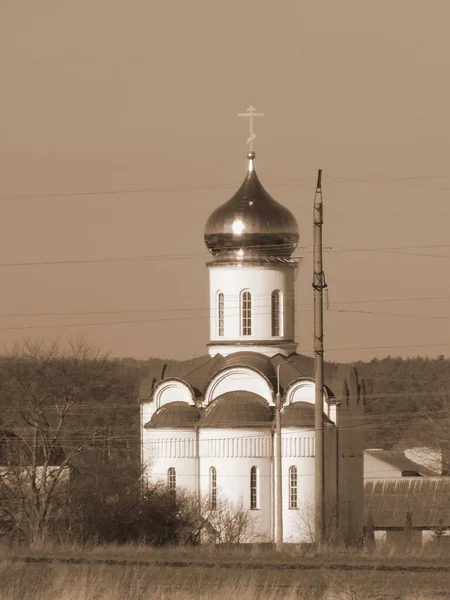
[227, 522]
[306, 521]
[223, 522]
[45, 393]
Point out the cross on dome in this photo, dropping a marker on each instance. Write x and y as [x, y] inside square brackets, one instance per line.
[251, 113]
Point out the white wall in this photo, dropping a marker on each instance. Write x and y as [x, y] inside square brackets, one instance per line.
[374, 468]
[233, 453]
[261, 281]
[166, 448]
[298, 451]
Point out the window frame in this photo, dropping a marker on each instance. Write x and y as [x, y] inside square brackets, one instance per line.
[213, 488]
[246, 313]
[172, 480]
[293, 488]
[276, 313]
[220, 302]
[254, 488]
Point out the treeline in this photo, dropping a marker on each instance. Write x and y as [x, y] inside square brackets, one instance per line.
[70, 456]
[407, 401]
[70, 444]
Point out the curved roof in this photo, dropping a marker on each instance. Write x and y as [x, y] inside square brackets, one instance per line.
[251, 224]
[173, 415]
[238, 408]
[300, 414]
[253, 360]
[199, 371]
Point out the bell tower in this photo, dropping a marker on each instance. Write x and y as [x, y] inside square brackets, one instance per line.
[251, 274]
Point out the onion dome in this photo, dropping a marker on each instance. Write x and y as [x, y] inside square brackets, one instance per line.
[251, 225]
[174, 415]
[238, 408]
[300, 414]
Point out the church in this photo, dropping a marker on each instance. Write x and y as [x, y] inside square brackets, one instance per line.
[208, 423]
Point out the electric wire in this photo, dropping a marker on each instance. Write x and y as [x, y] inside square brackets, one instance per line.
[307, 180]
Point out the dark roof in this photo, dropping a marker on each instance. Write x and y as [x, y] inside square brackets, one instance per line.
[300, 414]
[398, 460]
[174, 414]
[199, 371]
[237, 409]
[392, 503]
[253, 360]
[268, 228]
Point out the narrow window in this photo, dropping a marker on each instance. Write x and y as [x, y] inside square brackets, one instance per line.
[172, 480]
[220, 314]
[253, 489]
[246, 313]
[293, 493]
[276, 313]
[213, 488]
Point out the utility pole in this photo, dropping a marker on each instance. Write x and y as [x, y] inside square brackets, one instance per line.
[319, 285]
[278, 471]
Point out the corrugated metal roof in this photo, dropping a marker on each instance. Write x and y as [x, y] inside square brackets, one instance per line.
[392, 503]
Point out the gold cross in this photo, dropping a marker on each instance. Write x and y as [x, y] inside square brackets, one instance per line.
[251, 112]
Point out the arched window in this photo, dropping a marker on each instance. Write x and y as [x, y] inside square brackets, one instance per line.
[254, 488]
[213, 488]
[172, 480]
[246, 313]
[293, 491]
[220, 314]
[276, 311]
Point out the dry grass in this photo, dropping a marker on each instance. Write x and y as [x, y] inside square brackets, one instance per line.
[23, 581]
[102, 582]
[427, 555]
[207, 573]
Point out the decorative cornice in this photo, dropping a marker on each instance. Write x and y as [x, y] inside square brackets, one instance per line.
[277, 342]
[288, 263]
[258, 446]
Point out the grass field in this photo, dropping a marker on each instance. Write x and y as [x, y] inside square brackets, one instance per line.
[207, 573]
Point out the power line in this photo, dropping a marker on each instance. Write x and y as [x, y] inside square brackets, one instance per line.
[386, 314]
[219, 186]
[207, 308]
[209, 257]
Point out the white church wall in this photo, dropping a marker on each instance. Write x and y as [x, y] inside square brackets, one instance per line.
[261, 281]
[166, 448]
[148, 409]
[236, 378]
[298, 452]
[331, 410]
[304, 390]
[233, 453]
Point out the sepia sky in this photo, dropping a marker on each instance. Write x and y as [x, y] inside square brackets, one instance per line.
[139, 99]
